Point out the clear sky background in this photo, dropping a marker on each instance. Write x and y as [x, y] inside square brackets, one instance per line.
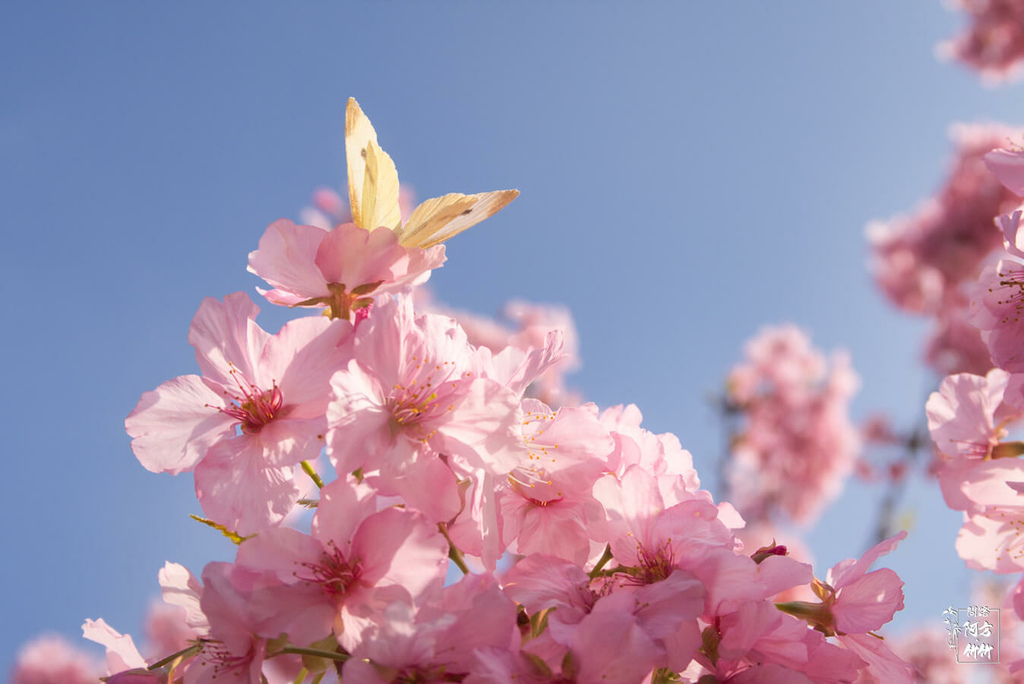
[690, 172]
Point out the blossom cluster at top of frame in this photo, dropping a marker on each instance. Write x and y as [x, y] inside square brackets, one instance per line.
[993, 41]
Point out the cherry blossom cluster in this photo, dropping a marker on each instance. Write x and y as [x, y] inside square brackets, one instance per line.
[418, 450]
[993, 43]
[523, 325]
[796, 445]
[925, 262]
[972, 417]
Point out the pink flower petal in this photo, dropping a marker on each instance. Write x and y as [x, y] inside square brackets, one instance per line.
[1008, 167]
[174, 426]
[226, 338]
[285, 259]
[238, 489]
[868, 603]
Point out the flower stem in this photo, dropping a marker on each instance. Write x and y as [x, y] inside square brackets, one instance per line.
[183, 653]
[453, 551]
[456, 557]
[607, 556]
[308, 467]
[330, 655]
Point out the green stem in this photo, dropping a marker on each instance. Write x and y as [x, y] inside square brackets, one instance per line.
[453, 551]
[301, 677]
[312, 473]
[607, 556]
[183, 653]
[456, 557]
[331, 655]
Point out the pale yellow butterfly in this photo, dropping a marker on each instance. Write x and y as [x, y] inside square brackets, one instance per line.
[373, 192]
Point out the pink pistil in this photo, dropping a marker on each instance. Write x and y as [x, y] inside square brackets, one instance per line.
[223, 661]
[255, 407]
[655, 564]
[334, 573]
[423, 396]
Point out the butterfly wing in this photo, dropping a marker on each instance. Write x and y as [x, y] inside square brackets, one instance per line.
[440, 218]
[372, 177]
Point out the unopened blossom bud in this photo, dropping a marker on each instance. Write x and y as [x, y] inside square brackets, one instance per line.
[765, 552]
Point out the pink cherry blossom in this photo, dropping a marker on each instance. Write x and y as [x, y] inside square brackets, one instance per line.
[778, 358]
[166, 630]
[996, 310]
[545, 508]
[231, 603]
[233, 652]
[645, 533]
[954, 345]
[533, 327]
[993, 42]
[539, 582]
[898, 265]
[441, 639]
[50, 659]
[1013, 236]
[756, 642]
[356, 561]
[411, 389]
[967, 417]
[343, 268]
[864, 601]
[533, 323]
[1011, 603]
[1008, 167]
[854, 604]
[258, 410]
[883, 664]
[990, 538]
[923, 261]
[416, 412]
[121, 651]
[998, 297]
[763, 539]
[661, 610]
[652, 539]
[660, 454]
[180, 589]
[523, 326]
[797, 444]
[609, 644]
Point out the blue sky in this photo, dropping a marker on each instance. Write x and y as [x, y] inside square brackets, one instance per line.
[689, 174]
